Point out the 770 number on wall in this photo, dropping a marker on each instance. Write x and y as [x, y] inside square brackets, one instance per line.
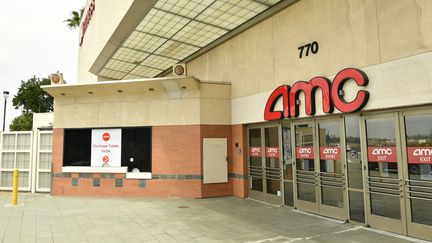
[312, 47]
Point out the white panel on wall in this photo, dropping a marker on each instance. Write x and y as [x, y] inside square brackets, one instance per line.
[215, 164]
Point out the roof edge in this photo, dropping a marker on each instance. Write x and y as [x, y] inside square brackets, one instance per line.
[136, 12]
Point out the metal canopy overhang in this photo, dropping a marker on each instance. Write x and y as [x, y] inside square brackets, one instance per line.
[107, 88]
[154, 34]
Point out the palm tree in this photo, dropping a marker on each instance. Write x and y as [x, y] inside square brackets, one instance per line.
[75, 20]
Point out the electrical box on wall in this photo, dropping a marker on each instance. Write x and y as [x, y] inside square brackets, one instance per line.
[215, 164]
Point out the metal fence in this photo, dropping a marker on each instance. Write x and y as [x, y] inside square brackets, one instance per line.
[31, 153]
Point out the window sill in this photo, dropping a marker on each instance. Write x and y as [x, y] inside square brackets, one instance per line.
[141, 175]
[89, 169]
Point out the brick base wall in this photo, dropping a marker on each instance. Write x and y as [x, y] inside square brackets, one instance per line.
[239, 168]
[176, 167]
[89, 184]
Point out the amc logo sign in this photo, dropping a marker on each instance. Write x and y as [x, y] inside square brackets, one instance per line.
[255, 152]
[382, 154]
[272, 152]
[419, 155]
[304, 152]
[106, 136]
[332, 94]
[330, 153]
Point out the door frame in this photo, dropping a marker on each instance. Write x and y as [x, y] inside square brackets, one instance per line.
[264, 196]
[327, 210]
[38, 170]
[376, 221]
[413, 229]
[290, 125]
[303, 205]
[252, 193]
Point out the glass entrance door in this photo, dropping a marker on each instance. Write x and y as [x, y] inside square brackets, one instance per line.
[256, 171]
[265, 164]
[306, 176]
[383, 180]
[418, 172]
[320, 168]
[331, 175]
[287, 164]
[272, 165]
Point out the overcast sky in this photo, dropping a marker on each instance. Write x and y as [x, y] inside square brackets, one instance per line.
[34, 40]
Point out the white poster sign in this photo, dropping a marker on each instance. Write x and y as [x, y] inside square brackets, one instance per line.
[106, 148]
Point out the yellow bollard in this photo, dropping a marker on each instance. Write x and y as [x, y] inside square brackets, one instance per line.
[15, 187]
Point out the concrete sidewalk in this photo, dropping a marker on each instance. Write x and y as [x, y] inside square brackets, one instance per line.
[43, 218]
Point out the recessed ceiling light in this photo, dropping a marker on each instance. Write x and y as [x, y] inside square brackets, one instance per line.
[120, 91]
[62, 94]
[184, 87]
[151, 89]
[90, 92]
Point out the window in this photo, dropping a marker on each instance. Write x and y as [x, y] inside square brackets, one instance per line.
[135, 150]
[77, 147]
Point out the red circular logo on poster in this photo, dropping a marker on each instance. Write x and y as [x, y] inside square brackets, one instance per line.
[105, 159]
[106, 136]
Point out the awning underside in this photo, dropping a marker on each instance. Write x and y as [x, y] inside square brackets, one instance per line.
[108, 88]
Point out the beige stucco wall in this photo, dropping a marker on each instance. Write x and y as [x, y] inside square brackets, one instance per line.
[389, 40]
[350, 33]
[399, 83]
[106, 17]
[210, 104]
[42, 120]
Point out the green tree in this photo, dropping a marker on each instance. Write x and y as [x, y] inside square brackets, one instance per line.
[22, 123]
[31, 98]
[75, 19]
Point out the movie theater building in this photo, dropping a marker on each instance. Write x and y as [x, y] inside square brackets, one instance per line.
[323, 106]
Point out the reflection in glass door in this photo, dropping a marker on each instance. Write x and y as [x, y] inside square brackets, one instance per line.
[354, 168]
[256, 184]
[306, 177]
[383, 179]
[331, 171]
[272, 165]
[418, 174]
[287, 165]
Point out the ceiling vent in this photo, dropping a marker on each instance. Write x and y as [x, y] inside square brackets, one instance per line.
[179, 69]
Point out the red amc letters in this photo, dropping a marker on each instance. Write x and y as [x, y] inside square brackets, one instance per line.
[332, 94]
[86, 22]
